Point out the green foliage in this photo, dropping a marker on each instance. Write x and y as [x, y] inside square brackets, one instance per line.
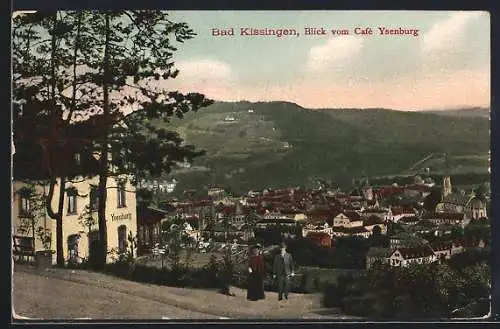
[432, 200]
[173, 242]
[478, 230]
[420, 291]
[128, 254]
[482, 191]
[469, 258]
[80, 58]
[226, 272]
[45, 236]
[378, 239]
[394, 228]
[457, 232]
[33, 222]
[87, 218]
[350, 252]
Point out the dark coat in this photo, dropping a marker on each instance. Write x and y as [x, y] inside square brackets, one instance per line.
[255, 281]
[283, 265]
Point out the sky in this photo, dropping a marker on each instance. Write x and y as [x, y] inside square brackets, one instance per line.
[446, 66]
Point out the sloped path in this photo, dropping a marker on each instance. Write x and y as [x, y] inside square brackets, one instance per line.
[82, 293]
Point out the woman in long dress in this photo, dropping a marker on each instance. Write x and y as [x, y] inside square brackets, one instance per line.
[256, 271]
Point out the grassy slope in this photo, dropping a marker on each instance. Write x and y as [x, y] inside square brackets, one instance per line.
[332, 144]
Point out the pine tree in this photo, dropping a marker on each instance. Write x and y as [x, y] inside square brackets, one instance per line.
[101, 63]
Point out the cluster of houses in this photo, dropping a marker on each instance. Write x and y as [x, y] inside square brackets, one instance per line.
[321, 215]
[412, 250]
[324, 215]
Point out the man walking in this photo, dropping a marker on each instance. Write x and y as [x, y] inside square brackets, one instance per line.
[282, 271]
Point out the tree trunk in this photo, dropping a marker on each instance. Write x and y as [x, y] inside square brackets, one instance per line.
[59, 225]
[103, 175]
[57, 216]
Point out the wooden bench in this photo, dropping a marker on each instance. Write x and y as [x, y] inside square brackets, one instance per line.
[23, 247]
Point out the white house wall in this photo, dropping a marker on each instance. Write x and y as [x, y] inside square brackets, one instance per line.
[115, 216]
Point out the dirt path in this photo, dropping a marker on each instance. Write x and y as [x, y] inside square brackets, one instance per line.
[77, 293]
[42, 297]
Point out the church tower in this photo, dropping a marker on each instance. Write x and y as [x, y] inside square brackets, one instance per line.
[446, 178]
[446, 186]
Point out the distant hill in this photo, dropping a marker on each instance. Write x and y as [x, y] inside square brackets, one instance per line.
[468, 112]
[276, 144]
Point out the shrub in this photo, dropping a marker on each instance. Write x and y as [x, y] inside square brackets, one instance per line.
[426, 291]
[358, 305]
[225, 273]
[331, 297]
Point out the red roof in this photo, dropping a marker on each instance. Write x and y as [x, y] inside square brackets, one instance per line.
[290, 211]
[324, 213]
[459, 242]
[229, 210]
[318, 235]
[387, 191]
[350, 230]
[418, 187]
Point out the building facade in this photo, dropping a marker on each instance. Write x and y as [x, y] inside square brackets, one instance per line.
[80, 204]
[412, 255]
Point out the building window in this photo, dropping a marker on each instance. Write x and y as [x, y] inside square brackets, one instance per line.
[25, 207]
[77, 159]
[122, 239]
[121, 196]
[72, 202]
[73, 248]
[94, 199]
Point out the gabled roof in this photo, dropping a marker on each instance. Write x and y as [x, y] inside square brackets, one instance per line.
[373, 220]
[351, 215]
[387, 191]
[441, 245]
[415, 252]
[150, 214]
[477, 202]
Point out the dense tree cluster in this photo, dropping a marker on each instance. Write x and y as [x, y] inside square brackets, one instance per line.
[421, 291]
